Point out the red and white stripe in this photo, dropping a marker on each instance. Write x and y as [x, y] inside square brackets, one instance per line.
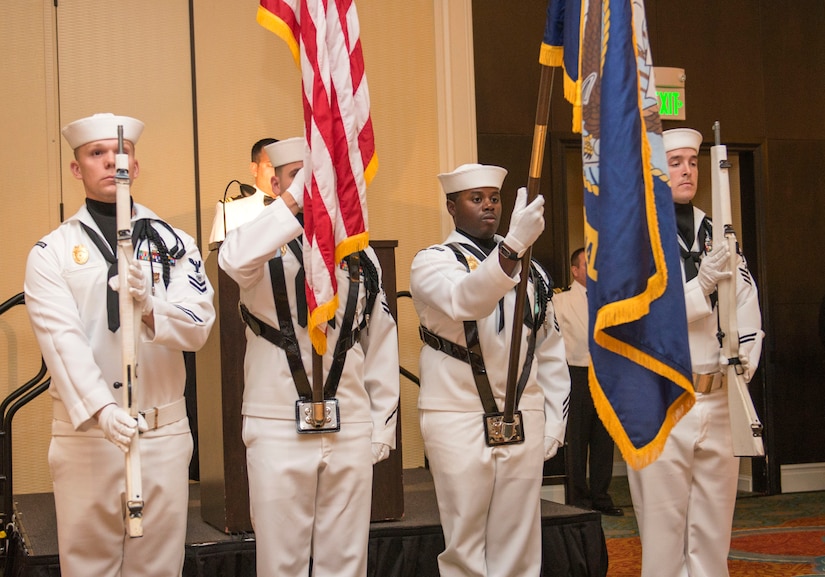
[324, 37]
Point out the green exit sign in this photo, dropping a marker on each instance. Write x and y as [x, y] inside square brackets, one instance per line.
[671, 103]
[670, 91]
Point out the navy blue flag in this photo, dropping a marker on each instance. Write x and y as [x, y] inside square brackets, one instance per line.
[640, 372]
[560, 47]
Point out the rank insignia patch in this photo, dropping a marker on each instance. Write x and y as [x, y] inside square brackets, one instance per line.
[198, 282]
[197, 279]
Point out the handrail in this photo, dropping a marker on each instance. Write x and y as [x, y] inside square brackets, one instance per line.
[404, 372]
[13, 402]
[18, 299]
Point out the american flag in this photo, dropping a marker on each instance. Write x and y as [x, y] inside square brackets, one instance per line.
[340, 161]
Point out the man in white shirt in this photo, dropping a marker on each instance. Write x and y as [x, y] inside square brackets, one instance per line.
[274, 165]
[585, 432]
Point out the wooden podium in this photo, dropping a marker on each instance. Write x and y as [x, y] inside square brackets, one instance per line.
[223, 476]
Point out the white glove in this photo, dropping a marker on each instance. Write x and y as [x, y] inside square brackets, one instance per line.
[296, 189]
[749, 353]
[118, 426]
[137, 288]
[142, 425]
[380, 451]
[526, 222]
[551, 447]
[743, 363]
[713, 268]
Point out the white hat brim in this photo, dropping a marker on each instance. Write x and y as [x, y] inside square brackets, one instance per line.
[101, 127]
[286, 151]
[682, 138]
[470, 176]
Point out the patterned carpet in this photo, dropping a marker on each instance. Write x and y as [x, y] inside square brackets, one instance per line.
[775, 536]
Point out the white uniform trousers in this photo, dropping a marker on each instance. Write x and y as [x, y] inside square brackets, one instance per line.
[89, 475]
[309, 495]
[684, 500]
[488, 498]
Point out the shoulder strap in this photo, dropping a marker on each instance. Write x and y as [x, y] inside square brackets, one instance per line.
[474, 346]
[300, 281]
[485, 391]
[291, 347]
[346, 338]
[372, 284]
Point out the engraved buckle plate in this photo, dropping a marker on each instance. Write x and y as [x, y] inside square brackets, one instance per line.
[305, 417]
[495, 433]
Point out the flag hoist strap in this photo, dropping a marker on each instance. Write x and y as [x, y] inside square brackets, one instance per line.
[472, 354]
[286, 339]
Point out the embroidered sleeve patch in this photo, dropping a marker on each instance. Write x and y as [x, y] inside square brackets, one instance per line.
[196, 279]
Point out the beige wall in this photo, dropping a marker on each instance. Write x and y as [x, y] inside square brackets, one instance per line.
[134, 58]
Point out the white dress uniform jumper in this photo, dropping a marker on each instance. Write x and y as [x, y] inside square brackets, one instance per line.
[488, 496]
[66, 292]
[310, 494]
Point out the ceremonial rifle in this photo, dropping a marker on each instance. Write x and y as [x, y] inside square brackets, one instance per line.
[129, 322]
[511, 430]
[746, 429]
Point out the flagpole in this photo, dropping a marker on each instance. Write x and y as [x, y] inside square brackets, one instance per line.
[533, 184]
[318, 407]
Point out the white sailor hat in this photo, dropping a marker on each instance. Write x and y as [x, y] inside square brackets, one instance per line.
[285, 151]
[682, 138]
[469, 176]
[101, 126]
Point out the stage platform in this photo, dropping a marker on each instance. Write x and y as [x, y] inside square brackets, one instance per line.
[572, 540]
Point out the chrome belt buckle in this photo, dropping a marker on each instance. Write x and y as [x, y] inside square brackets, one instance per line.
[321, 417]
[496, 431]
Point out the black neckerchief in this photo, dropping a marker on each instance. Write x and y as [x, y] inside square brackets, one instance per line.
[486, 244]
[685, 230]
[105, 216]
[684, 223]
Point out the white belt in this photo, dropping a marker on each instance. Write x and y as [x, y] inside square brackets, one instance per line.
[707, 383]
[165, 414]
[156, 417]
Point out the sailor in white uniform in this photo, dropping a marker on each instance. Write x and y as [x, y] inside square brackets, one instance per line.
[684, 501]
[68, 298]
[464, 294]
[310, 492]
[275, 166]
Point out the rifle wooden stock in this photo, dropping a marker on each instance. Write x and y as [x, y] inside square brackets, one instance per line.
[129, 324]
[533, 184]
[746, 429]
